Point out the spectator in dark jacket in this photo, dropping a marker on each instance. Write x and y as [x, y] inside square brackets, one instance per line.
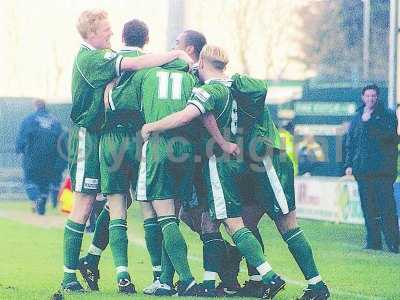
[37, 142]
[371, 156]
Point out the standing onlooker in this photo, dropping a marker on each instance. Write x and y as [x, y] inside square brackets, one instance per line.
[37, 141]
[309, 153]
[371, 156]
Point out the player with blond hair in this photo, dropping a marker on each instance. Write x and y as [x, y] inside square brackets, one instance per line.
[221, 173]
[95, 65]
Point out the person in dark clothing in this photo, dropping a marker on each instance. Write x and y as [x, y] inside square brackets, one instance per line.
[60, 164]
[371, 156]
[37, 141]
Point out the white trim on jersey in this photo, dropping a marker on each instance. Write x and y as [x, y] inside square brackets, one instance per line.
[217, 191]
[198, 105]
[80, 161]
[80, 72]
[110, 100]
[118, 65]
[276, 185]
[141, 184]
[131, 48]
[88, 46]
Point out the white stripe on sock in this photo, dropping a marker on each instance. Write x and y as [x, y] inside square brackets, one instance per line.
[94, 250]
[213, 240]
[118, 225]
[264, 268]
[166, 218]
[121, 269]
[70, 228]
[314, 280]
[301, 231]
[255, 277]
[190, 285]
[163, 228]
[210, 275]
[157, 268]
[66, 270]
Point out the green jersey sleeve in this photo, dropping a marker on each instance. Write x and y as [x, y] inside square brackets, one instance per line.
[204, 98]
[98, 67]
[177, 65]
[255, 90]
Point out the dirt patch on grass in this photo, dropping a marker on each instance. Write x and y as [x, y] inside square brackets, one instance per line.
[46, 221]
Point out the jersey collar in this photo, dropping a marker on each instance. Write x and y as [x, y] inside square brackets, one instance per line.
[88, 46]
[130, 48]
[225, 81]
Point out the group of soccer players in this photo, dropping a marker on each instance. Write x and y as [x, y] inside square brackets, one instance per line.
[195, 145]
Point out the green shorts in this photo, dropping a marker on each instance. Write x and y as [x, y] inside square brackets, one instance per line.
[272, 184]
[166, 170]
[119, 160]
[83, 158]
[222, 176]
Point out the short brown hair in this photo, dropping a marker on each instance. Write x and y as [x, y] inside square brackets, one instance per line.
[135, 33]
[89, 21]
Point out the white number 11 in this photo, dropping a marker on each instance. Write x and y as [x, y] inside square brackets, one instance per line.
[164, 78]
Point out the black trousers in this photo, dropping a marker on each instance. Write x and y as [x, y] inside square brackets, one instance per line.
[379, 209]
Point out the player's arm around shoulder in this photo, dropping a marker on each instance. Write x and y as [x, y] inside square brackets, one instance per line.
[175, 120]
[153, 60]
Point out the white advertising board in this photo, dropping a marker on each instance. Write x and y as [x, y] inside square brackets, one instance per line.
[329, 199]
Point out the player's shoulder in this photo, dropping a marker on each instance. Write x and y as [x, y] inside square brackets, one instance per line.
[217, 86]
[90, 55]
[131, 52]
[240, 81]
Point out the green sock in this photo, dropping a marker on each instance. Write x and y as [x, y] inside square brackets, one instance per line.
[214, 251]
[153, 238]
[100, 238]
[252, 252]
[302, 253]
[167, 269]
[119, 247]
[73, 234]
[252, 271]
[176, 247]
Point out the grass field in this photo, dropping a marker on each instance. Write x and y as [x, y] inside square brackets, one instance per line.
[31, 258]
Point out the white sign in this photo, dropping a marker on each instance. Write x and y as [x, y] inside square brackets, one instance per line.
[328, 199]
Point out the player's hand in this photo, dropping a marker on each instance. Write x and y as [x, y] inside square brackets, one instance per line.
[184, 56]
[230, 148]
[349, 171]
[145, 132]
[366, 115]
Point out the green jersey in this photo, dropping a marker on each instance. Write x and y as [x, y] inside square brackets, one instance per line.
[165, 90]
[123, 99]
[93, 68]
[254, 118]
[215, 97]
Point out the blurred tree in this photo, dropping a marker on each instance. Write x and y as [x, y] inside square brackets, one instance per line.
[332, 38]
[260, 28]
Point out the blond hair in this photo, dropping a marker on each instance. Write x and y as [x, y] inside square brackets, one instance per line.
[215, 55]
[89, 21]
